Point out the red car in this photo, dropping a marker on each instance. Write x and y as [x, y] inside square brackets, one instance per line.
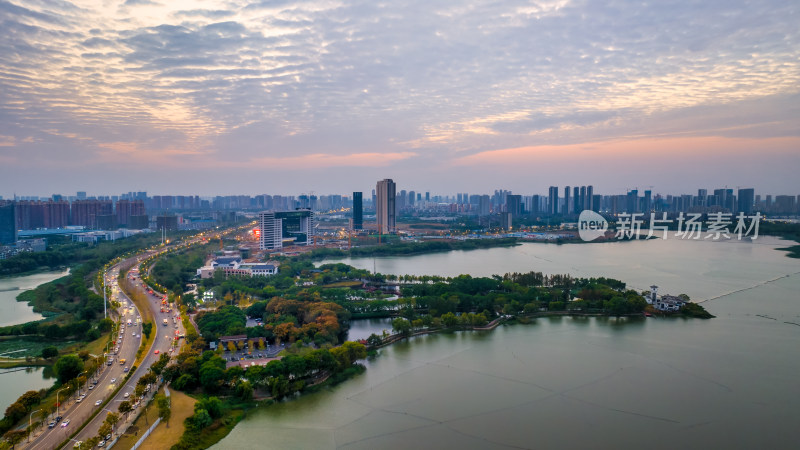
[156, 352]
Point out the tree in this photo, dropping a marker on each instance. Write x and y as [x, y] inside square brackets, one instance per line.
[201, 419]
[125, 407]
[68, 367]
[14, 437]
[244, 390]
[49, 352]
[147, 328]
[401, 325]
[231, 347]
[449, 320]
[164, 411]
[112, 419]
[104, 430]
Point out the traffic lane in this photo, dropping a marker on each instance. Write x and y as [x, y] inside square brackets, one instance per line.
[128, 349]
[78, 412]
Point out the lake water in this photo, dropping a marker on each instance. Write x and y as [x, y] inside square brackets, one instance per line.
[15, 312]
[728, 382]
[17, 381]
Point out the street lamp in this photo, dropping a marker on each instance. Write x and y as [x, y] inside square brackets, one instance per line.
[29, 423]
[57, 402]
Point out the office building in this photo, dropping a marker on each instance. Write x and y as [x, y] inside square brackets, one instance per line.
[514, 205]
[296, 227]
[358, 211]
[552, 200]
[747, 200]
[385, 211]
[8, 223]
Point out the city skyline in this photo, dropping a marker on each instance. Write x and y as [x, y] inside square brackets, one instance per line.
[322, 96]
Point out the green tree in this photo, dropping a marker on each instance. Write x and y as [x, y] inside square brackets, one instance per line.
[14, 437]
[49, 352]
[68, 367]
[164, 411]
[125, 407]
[449, 320]
[402, 326]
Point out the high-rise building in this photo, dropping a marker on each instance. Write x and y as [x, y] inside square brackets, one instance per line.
[552, 200]
[385, 211]
[358, 211]
[85, 212]
[578, 195]
[514, 205]
[274, 227]
[746, 200]
[588, 202]
[566, 209]
[8, 223]
[484, 205]
[648, 202]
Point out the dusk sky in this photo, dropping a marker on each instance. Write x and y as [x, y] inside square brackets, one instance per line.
[220, 97]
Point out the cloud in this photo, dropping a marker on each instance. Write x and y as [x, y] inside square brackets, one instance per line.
[323, 160]
[438, 80]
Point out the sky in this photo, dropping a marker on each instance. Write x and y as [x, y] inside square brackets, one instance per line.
[216, 97]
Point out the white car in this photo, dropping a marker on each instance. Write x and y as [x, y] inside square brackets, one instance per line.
[127, 394]
[113, 380]
[97, 403]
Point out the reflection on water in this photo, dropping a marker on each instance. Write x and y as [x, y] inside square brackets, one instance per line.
[15, 382]
[576, 382]
[15, 312]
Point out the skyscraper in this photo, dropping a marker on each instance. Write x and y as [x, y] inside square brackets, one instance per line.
[746, 200]
[514, 205]
[385, 205]
[566, 209]
[358, 211]
[552, 200]
[8, 223]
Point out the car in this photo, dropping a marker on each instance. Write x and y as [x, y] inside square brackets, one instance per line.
[156, 352]
[51, 424]
[91, 386]
[98, 403]
[127, 394]
[58, 419]
[80, 399]
[65, 423]
[126, 370]
[77, 444]
[113, 380]
[101, 444]
[108, 437]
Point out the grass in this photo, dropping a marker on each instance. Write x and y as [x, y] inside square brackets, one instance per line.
[139, 426]
[342, 284]
[162, 437]
[32, 346]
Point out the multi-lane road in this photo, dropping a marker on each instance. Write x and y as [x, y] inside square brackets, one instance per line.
[128, 340]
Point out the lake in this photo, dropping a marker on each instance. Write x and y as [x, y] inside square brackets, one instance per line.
[728, 382]
[17, 381]
[15, 312]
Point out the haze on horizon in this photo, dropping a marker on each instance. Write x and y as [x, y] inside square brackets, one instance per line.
[214, 97]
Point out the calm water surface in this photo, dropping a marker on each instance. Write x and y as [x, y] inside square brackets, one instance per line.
[729, 382]
[15, 312]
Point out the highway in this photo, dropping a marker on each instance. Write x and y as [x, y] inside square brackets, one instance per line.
[165, 336]
[78, 412]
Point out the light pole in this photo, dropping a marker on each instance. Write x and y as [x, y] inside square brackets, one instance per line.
[30, 422]
[105, 300]
[57, 402]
